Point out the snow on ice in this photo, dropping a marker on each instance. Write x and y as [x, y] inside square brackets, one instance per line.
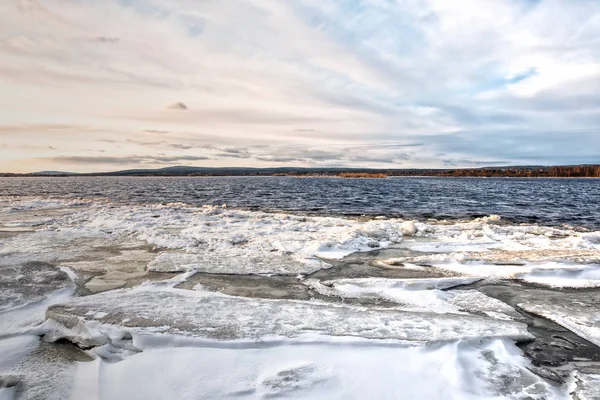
[154, 341]
[218, 316]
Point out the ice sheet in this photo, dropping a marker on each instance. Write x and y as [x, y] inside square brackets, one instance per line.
[550, 274]
[418, 295]
[360, 370]
[28, 283]
[25, 319]
[374, 284]
[58, 244]
[47, 372]
[315, 337]
[266, 264]
[573, 277]
[219, 233]
[20, 327]
[213, 315]
[578, 312]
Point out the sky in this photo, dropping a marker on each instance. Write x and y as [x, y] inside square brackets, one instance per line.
[89, 85]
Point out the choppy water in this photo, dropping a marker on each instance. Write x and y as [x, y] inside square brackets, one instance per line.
[545, 201]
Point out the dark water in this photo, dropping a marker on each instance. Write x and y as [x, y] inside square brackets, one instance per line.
[545, 201]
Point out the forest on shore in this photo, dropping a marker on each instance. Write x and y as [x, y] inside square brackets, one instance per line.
[574, 171]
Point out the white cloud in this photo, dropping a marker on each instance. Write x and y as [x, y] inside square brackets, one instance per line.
[298, 74]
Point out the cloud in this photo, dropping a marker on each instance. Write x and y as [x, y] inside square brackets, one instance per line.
[181, 146]
[94, 160]
[234, 153]
[382, 159]
[27, 147]
[177, 106]
[26, 128]
[229, 155]
[345, 82]
[181, 158]
[521, 147]
[127, 160]
[472, 163]
[275, 159]
[105, 39]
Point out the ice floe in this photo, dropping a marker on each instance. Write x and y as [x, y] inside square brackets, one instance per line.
[46, 372]
[578, 312]
[548, 274]
[213, 315]
[28, 311]
[31, 282]
[20, 322]
[576, 276]
[418, 295]
[267, 264]
[218, 233]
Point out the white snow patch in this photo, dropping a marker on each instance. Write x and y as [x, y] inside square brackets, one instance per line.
[408, 228]
[359, 370]
[575, 276]
[13, 349]
[550, 274]
[27, 319]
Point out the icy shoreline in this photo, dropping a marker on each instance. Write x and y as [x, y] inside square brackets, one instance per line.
[116, 293]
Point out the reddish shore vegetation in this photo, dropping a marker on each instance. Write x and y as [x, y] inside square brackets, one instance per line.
[362, 175]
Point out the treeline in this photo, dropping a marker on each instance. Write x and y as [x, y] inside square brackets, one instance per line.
[580, 171]
[575, 171]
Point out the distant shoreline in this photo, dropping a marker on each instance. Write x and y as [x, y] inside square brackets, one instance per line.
[290, 176]
[566, 171]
